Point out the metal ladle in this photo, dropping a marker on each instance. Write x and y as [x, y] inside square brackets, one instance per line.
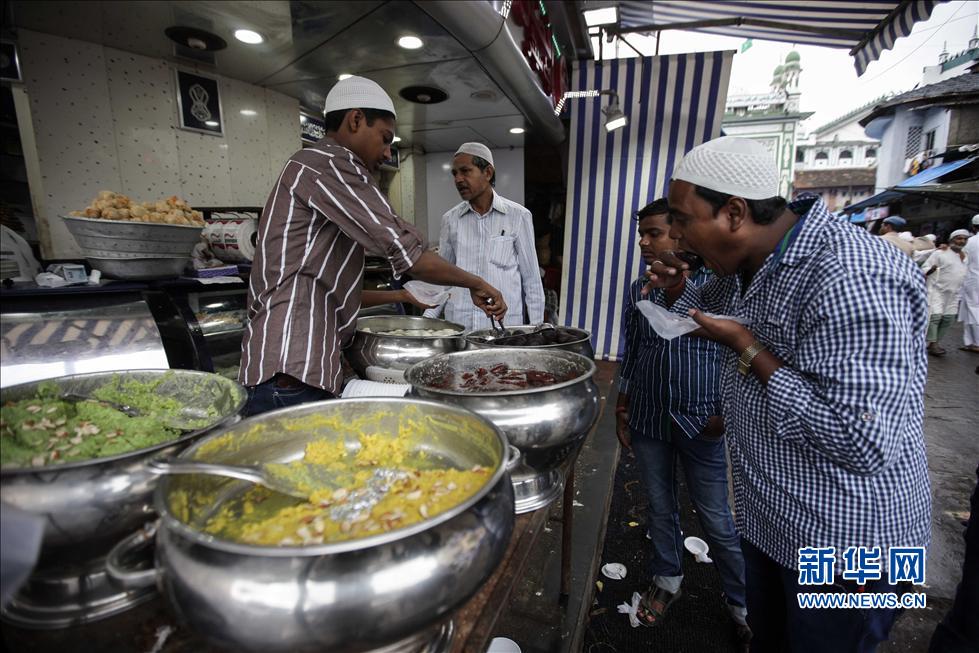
[302, 480]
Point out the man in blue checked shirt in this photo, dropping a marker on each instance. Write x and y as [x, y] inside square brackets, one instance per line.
[668, 409]
[823, 388]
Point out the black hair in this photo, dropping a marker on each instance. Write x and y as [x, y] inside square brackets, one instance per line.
[335, 118]
[762, 211]
[482, 164]
[656, 207]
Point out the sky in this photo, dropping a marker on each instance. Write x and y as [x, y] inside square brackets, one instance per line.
[829, 83]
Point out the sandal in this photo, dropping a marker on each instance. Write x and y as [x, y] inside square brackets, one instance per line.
[653, 605]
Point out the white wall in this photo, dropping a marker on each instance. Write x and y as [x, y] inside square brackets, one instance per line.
[104, 119]
[441, 194]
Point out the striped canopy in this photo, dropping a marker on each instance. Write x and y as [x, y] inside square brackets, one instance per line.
[865, 27]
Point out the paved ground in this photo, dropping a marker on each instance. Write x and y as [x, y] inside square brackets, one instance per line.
[589, 621]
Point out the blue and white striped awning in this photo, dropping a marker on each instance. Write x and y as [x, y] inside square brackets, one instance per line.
[865, 27]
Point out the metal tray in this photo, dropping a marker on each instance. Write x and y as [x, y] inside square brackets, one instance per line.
[114, 238]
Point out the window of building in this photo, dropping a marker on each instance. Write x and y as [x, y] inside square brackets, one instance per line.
[800, 155]
[822, 158]
[930, 140]
[913, 145]
[871, 153]
[846, 158]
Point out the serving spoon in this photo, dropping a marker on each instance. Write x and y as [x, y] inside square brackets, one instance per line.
[180, 422]
[302, 480]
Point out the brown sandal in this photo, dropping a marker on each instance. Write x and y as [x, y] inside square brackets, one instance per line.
[653, 605]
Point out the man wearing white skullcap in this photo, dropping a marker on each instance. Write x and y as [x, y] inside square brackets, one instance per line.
[945, 270]
[324, 213]
[969, 308]
[824, 399]
[493, 237]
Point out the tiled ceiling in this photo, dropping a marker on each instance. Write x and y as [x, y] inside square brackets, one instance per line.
[307, 45]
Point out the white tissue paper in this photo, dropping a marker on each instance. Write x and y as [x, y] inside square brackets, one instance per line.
[428, 293]
[630, 609]
[669, 325]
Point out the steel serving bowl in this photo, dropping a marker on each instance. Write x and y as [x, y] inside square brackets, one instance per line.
[483, 339]
[100, 238]
[383, 591]
[90, 505]
[373, 355]
[548, 424]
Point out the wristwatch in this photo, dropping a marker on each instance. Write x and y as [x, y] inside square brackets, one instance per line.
[748, 355]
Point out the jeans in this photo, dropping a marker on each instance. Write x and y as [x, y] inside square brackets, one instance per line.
[779, 624]
[706, 473]
[270, 396]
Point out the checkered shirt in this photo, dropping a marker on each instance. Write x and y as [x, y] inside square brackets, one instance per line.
[830, 452]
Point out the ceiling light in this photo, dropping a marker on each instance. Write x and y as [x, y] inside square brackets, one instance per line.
[248, 112]
[603, 16]
[397, 139]
[517, 130]
[343, 76]
[410, 42]
[212, 123]
[302, 118]
[248, 36]
[614, 118]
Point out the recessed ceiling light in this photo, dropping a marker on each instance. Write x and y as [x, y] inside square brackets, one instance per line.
[343, 76]
[248, 36]
[410, 42]
[603, 16]
[397, 139]
[517, 130]
[248, 112]
[212, 123]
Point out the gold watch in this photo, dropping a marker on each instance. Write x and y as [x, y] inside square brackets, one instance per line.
[748, 355]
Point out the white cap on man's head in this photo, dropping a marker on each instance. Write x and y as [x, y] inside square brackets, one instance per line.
[959, 232]
[476, 149]
[736, 166]
[358, 93]
[975, 219]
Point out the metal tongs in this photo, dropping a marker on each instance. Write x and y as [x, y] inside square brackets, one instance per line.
[499, 331]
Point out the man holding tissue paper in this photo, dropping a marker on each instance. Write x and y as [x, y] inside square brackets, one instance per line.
[668, 410]
[822, 391]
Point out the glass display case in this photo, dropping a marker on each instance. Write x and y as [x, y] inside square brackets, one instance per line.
[219, 318]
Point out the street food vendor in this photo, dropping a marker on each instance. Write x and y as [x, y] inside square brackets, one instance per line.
[323, 214]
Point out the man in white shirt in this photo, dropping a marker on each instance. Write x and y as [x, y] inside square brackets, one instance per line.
[969, 309]
[945, 270]
[488, 235]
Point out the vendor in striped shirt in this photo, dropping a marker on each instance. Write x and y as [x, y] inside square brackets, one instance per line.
[823, 392]
[324, 213]
[669, 410]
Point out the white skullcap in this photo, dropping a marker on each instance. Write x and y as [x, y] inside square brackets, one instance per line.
[905, 235]
[358, 93]
[735, 166]
[931, 237]
[959, 232]
[476, 149]
[975, 219]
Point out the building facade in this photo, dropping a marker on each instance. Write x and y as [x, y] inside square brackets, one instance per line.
[838, 161]
[771, 118]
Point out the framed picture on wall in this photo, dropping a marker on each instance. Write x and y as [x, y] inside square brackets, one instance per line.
[9, 62]
[198, 104]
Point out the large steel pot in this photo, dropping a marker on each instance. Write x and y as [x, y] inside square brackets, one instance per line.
[89, 506]
[380, 357]
[386, 591]
[483, 339]
[548, 425]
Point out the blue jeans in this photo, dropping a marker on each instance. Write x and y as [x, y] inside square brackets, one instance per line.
[779, 624]
[706, 472]
[270, 396]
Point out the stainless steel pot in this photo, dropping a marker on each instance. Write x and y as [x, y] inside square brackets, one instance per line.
[483, 339]
[387, 591]
[548, 425]
[380, 357]
[90, 505]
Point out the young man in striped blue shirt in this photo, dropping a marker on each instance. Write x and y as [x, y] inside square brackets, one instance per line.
[822, 395]
[669, 410]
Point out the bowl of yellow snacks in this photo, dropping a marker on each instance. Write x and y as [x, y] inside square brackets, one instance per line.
[411, 514]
